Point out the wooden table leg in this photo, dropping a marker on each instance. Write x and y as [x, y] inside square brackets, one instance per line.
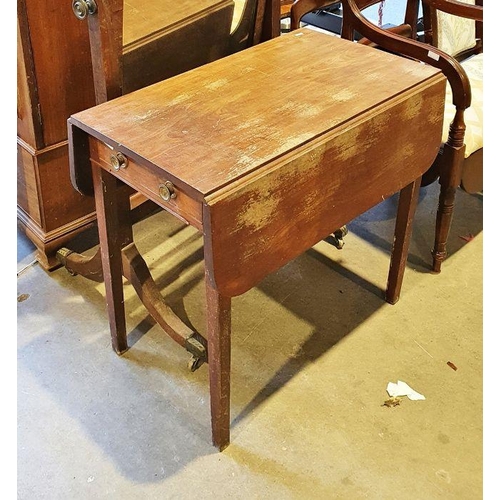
[112, 208]
[408, 200]
[219, 363]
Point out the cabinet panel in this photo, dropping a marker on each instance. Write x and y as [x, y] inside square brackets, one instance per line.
[27, 186]
[62, 66]
[44, 189]
[28, 123]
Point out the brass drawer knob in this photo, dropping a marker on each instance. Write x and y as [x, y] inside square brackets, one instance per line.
[167, 191]
[118, 161]
[83, 8]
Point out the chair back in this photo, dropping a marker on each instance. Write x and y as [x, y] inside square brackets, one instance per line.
[447, 29]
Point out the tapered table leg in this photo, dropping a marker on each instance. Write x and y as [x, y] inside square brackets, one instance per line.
[112, 208]
[408, 200]
[219, 363]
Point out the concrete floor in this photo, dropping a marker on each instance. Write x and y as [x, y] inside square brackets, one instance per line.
[314, 347]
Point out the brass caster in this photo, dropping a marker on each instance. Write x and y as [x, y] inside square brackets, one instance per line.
[194, 363]
[61, 256]
[338, 237]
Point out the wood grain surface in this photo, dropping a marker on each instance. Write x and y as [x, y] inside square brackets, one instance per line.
[274, 215]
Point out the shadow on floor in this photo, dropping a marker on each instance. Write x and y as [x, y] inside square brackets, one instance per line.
[377, 225]
[132, 407]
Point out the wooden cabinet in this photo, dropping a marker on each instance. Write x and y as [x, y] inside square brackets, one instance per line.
[54, 76]
[161, 38]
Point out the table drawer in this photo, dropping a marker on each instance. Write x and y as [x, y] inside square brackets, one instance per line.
[149, 181]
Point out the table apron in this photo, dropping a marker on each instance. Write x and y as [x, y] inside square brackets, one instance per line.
[147, 180]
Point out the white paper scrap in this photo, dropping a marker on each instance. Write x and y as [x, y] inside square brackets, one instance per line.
[403, 389]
